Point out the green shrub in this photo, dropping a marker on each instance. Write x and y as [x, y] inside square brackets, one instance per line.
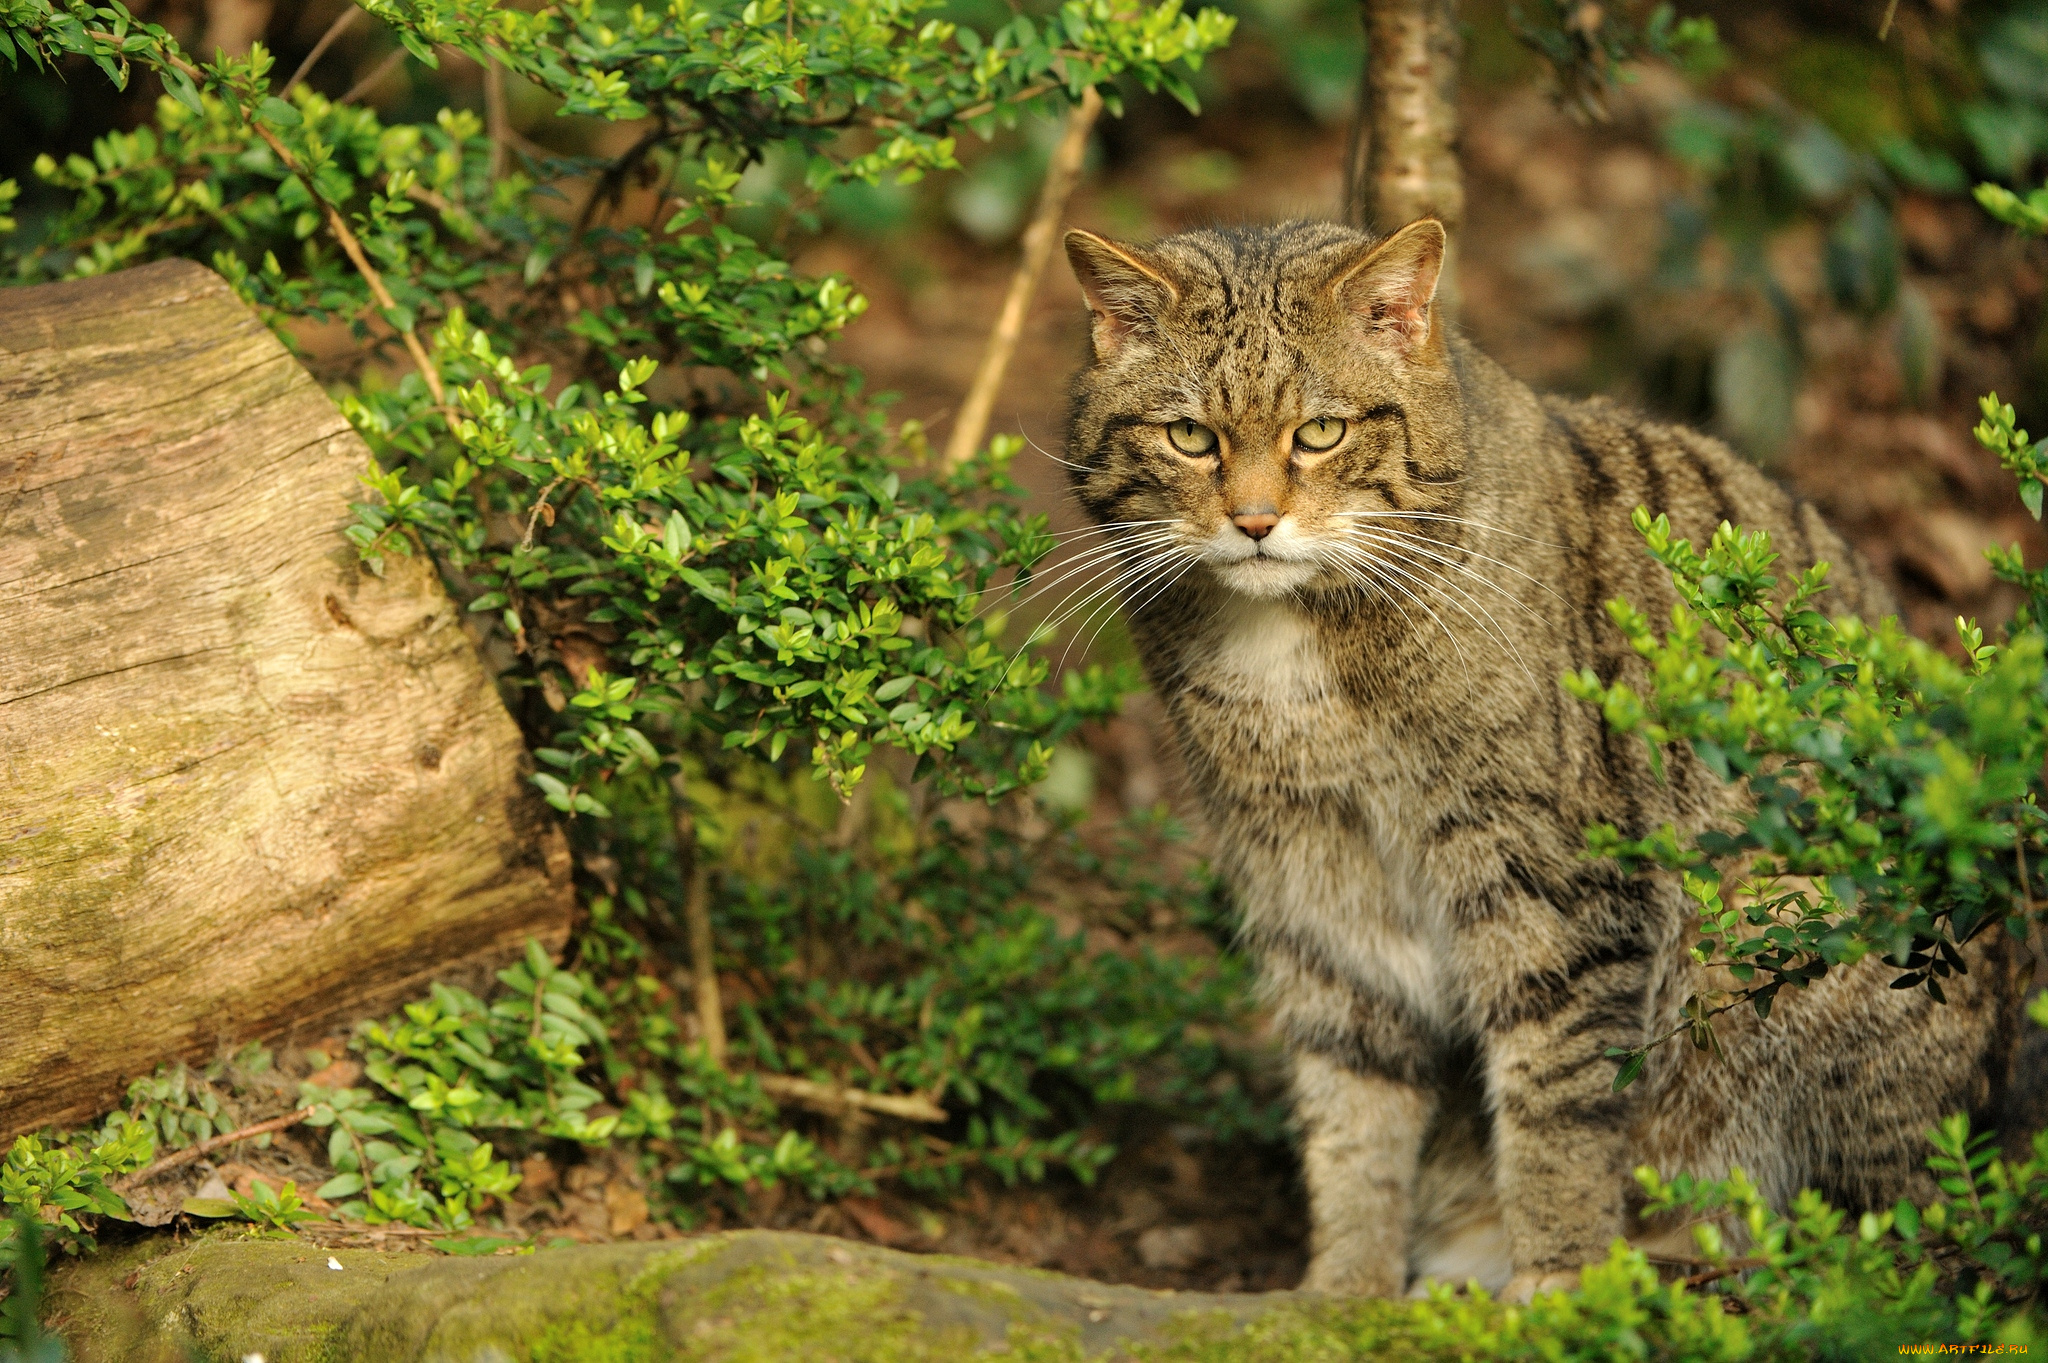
[695, 594]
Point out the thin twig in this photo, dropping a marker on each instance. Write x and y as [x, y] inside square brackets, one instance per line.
[334, 30]
[833, 1098]
[540, 507]
[178, 1158]
[1727, 1270]
[1060, 177]
[354, 250]
[1891, 12]
[697, 923]
[342, 234]
[853, 818]
[704, 966]
[376, 76]
[611, 182]
[482, 235]
[495, 122]
[150, 229]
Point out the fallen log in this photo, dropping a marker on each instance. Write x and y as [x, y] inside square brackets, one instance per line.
[247, 789]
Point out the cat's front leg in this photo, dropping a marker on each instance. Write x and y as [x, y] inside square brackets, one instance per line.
[1363, 1113]
[1561, 1132]
[1362, 1146]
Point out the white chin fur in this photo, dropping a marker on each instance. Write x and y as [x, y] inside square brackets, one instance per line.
[1264, 577]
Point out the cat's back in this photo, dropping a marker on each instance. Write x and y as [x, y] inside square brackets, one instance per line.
[1607, 459]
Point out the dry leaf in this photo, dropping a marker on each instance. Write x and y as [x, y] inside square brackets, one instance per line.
[339, 1075]
[537, 1174]
[627, 1205]
[875, 1223]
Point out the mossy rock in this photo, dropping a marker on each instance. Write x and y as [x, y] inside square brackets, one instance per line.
[741, 1297]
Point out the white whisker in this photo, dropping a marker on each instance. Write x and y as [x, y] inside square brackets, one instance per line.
[1381, 574]
[1088, 561]
[1448, 520]
[1128, 573]
[1108, 528]
[1469, 552]
[1082, 468]
[1107, 610]
[1142, 569]
[1416, 546]
[1491, 629]
[1133, 607]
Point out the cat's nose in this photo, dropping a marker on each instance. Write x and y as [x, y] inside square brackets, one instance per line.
[1257, 523]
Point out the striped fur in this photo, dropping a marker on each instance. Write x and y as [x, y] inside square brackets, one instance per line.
[1369, 710]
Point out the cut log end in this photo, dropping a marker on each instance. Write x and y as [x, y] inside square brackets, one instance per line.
[246, 789]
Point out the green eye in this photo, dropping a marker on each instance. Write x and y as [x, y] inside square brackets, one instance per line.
[1321, 434]
[1191, 438]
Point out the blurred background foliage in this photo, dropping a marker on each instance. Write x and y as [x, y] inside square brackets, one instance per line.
[1770, 236]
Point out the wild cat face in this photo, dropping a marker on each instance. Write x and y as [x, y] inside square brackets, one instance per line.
[1265, 405]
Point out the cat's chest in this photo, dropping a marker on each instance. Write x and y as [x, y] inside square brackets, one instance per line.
[1261, 704]
[1311, 802]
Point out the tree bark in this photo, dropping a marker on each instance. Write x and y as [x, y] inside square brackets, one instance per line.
[247, 790]
[1404, 148]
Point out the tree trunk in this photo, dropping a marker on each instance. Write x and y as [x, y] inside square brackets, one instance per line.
[246, 789]
[1404, 147]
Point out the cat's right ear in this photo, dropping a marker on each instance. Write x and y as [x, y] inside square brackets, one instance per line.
[1392, 288]
[1125, 291]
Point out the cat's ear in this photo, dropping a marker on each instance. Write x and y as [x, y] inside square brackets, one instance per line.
[1125, 291]
[1392, 286]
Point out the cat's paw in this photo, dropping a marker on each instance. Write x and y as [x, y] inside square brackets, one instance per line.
[1524, 1286]
[1355, 1274]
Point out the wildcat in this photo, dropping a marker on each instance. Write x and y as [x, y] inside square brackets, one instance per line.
[1355, 557]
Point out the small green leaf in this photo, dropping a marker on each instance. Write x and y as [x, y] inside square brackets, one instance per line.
[341, 1185]
[1631, 1070]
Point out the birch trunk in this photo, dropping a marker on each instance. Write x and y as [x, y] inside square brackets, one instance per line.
[1404, 153]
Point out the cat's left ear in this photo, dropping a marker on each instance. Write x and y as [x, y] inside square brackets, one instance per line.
[1127, 291]
[1391, 288]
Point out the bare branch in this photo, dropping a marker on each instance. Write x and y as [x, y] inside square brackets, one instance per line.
[832, 1098]
[704, 967]
[334, 30]
[179, 1158]
[354, 250]
[375, 78]
[1060, 178]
